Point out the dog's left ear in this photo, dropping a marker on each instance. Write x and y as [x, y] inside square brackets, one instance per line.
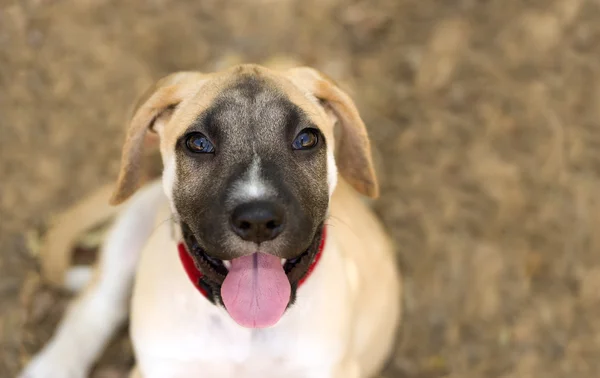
[355, 162]
[157, 103]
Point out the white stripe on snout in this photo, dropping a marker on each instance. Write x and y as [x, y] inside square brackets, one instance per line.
[251, 186]
[254, 186]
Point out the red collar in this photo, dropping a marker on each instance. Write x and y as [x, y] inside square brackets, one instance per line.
[195, 275]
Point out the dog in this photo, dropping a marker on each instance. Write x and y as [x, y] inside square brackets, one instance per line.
[254, 256]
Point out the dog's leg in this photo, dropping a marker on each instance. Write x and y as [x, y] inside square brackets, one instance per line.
[60, 240]
[102, 307]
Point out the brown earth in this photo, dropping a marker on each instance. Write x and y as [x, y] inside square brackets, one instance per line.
[485, 115]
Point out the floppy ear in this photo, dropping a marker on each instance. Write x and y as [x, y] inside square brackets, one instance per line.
[354, 158]
[157, 102]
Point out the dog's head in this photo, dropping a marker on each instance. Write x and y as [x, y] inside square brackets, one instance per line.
[250, 163]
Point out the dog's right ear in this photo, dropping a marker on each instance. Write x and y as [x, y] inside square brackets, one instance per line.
[157, 102]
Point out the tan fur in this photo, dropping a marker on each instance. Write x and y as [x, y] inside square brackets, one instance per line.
[352, 220]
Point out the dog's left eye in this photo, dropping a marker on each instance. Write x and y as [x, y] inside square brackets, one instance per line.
[199, 143]
[308, 138]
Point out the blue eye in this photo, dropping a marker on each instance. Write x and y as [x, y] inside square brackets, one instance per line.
[307, 139]
[198, 143]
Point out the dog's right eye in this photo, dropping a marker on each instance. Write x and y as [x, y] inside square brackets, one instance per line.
[198, 143]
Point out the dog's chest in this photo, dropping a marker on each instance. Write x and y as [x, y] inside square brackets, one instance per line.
[223, 352]
[177, 333]
[190, 343]
[268, 355]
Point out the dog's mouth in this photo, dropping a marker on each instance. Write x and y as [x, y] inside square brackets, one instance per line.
[216, 269]
[255, 289]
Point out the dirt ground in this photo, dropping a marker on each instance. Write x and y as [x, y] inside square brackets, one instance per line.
[485, 116]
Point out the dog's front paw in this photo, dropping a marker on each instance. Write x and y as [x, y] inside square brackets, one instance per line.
[51, 365]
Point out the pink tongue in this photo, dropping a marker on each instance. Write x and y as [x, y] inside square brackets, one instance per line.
[256, 290]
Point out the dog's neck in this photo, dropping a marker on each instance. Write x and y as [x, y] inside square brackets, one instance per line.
[197, 278]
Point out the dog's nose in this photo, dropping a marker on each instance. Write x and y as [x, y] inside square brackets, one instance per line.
[258, 221]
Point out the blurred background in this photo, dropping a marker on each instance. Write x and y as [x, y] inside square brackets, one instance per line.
[485, 119]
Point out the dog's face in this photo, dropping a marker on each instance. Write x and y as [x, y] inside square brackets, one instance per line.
[251, 173]
[249, 169]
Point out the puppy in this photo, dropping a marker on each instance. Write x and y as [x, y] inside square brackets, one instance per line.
[255, 255]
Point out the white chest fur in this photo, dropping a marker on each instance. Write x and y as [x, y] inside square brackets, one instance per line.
[178, 333]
